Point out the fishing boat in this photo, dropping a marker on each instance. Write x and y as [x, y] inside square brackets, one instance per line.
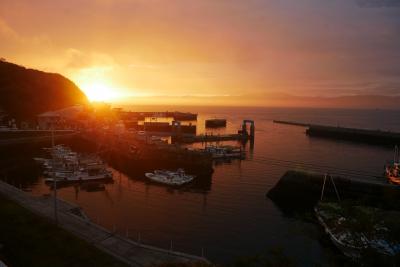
[392, 171]
[351, 244]
[80, 176]
[176, 178]
[66, 165]
[352, 234]
[222, 152]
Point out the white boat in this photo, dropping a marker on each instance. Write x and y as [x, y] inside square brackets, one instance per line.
[169, 177]
[68, 166]
[221, 152]
[81, 176]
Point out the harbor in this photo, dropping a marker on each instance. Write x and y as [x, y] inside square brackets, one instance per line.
[193, 215]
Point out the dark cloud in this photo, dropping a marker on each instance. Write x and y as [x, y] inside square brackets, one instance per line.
[378, 3]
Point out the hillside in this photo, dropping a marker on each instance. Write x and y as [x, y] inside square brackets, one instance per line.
[24, 93]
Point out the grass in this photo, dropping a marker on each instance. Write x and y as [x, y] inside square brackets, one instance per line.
[30, 240]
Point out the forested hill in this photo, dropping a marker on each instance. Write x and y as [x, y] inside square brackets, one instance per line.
[24, 93]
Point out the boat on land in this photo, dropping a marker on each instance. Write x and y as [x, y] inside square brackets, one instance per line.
[392, 171]
[355, 230]
[176, 178]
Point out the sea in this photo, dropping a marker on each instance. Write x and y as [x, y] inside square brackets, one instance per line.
[232, 218]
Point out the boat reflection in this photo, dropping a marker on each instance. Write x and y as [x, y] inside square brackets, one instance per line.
[87, 186]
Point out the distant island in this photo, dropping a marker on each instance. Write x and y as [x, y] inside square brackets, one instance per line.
[25, 93]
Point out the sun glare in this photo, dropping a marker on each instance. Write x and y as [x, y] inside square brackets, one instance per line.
[99, 92]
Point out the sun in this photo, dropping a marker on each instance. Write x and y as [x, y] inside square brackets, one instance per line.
[95, 82]
[97, 91]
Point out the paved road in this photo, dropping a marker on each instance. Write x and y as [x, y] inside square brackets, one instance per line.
[128, 251]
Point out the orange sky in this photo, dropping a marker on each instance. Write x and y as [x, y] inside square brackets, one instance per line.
[120, 48]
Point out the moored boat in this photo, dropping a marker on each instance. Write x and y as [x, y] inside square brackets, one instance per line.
[221, 152]
[81, 176]
[215, 123]
[66, 165]
[392, 171]
[176, 178]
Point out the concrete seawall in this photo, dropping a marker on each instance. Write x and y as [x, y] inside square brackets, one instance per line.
[356, 135]
[369, 136]
[72, 219]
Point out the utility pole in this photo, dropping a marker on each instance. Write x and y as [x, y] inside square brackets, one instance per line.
[54, 177]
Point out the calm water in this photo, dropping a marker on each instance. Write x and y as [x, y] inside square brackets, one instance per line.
[234, 217]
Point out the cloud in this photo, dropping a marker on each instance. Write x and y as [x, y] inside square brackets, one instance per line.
[77, 59]
[378, 3]
[8, 33]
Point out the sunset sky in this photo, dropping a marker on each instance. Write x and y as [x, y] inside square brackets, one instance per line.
[123, 48]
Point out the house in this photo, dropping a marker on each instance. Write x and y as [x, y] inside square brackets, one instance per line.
[65, 119]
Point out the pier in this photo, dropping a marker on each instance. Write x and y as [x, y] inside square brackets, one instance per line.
[376, 137]
[126, 153]
[73, 220]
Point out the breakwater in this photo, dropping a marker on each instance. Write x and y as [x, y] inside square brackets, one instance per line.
[357, 135]
[377, 137]
[292, 123]
[302, 190]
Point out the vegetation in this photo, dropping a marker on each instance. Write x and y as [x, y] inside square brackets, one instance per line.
[29, 240]
[26, 93]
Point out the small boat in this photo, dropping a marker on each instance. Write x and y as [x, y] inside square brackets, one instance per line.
[343, 239]
[223, 152]
[392, 172]
[170, 177]
[215, 123]
[81, 176]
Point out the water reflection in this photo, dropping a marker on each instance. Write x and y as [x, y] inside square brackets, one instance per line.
[225, 212]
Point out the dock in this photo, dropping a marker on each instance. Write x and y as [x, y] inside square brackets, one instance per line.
[73, 220]
[126, 153]
[377, 137]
